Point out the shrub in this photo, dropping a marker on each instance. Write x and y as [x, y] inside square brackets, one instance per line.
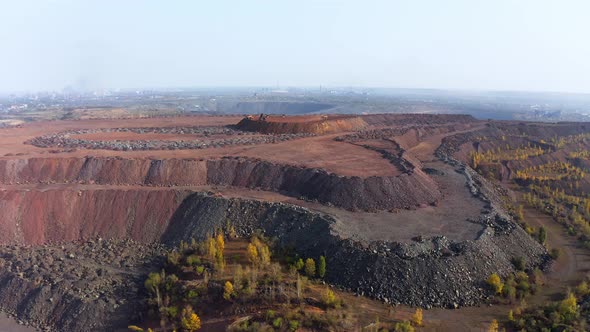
[568, 308]
[404, 326]
[417, 317]
[293, 325]
[173, 258]
[518, 263]
[542, 235]
[219, 243]
[270, 315]
[496, 283]
[191, 294]
[509, 292]
[582, 289]
[252, 253]
[190, 321]
[329, 299]
[228, 290]
[277, 323]
[555, 253]
[493, 326]
[523, 288]
[310, 267]
[299, 264]
[153, 282]
[193, 260]
[171, 312]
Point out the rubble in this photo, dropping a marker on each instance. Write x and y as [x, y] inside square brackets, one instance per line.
[64, 140]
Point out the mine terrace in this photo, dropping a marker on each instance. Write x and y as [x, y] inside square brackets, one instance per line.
[390, 200]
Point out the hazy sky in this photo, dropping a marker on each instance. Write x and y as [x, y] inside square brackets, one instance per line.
[473, 44]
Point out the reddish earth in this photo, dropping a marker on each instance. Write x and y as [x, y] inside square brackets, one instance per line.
[333, 172]
[52, 196]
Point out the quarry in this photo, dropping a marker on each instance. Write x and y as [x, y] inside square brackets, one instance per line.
[390, 200]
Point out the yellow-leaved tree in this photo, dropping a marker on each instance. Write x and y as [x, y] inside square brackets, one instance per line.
[228, 290]
[190, 320]
[417, 317]
[496, 283]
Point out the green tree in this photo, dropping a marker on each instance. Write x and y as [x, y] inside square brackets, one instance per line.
[153, 284]
[299, 264]
[322, 267]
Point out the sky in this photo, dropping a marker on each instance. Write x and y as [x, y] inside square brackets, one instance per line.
[536, 45]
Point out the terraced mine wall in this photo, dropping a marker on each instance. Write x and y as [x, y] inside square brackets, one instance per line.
[430, 272]
[353, 193]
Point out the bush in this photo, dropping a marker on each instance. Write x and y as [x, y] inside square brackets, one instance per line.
[293, 325]
[493, 326]
[582, 289]
[299, 264]
[173, 258]
[417, 317]
[193, 260]
[568, 308]
[496, 283]
[310, 267]
[329, 299]
[228, 290]
[404, 326]
[270, 315]
[509, 291]
[519, 263]
[555, 253]
[190, 321]
[542, 235]
[277, 323]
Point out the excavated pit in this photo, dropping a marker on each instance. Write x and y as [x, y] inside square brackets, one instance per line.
[129, 202]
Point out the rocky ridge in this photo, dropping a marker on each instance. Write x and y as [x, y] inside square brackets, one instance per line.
[95, 285]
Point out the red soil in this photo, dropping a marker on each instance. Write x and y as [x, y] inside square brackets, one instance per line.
[38, 216]
[317, 152]
[355, 177]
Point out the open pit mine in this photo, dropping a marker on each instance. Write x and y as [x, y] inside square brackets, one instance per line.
[89, 207]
